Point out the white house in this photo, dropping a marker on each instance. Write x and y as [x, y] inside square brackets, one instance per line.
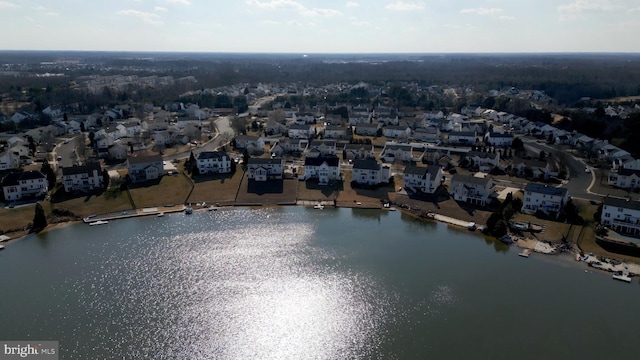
[621, 215]
[300, 131]
[24, 185]
[462, 137]
[82, 178]
[471, 189]
[20, 116]
[9, 160]
[366, 129]
[251, 143]
[263, 169]
[625, 178]
[424, 179]
[323, 168]
[117, 152]
[393, 132]
[213, 162]
[547, 199]
[393, 151]
[323, 147]
[370, 172]
[536, 168]
[483, 160]
[143, 168]
[358, 151]
[336, 132]
[498, 139]
[428, 134]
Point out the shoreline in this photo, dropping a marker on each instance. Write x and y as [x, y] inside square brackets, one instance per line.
[537, 246]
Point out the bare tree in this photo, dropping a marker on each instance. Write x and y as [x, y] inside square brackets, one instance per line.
[81, 147]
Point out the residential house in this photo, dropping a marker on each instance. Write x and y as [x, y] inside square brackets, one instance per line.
[534, 168]
[393, 151]
[359, 120]
[395, 132]
[143, 168]
[249, 142]
[336, 132]
[213, 162]
[297, 131]
[370, 172]
[9, 160]
[292, 146]
[274, 128]
[428, 134]
[263, 169]
[116, 152]
[547, 199]
[484, 161]
[24, 185]
[20, 116]
[463, 137]
[422, 179]
[322, 147]
[621, 215]
[366, 129]
[83, 178]
[130, 128]
[16, 140]
[625, 178]
[165, 137]
[444, 124]
[471, 189]
[498, 139]
[357, 151]
[323, 168]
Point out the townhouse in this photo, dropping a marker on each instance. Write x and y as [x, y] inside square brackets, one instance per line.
[82, 178]
[471, 189]
[213, 162]
[422, 179]
[544, 198]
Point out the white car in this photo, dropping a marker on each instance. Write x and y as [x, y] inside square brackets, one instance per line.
[587, 170]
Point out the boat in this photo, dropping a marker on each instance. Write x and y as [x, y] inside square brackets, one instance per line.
[525, 253]
[506, 238]
[393, 209]
[622, 275]
[1, 247]
[99, 222]
[318, 206]
[88, 218]
[160, 214]
[471, 226]
[212, 208]
[188, 210]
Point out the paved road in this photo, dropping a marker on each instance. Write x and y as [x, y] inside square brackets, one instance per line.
[579, 181]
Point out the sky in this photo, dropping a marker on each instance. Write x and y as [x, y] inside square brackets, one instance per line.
[322, 26]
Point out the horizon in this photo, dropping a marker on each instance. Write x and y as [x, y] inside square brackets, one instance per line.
[323, 27]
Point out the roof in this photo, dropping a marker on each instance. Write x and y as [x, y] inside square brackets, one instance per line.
[421, 170]
[82, 169]
[468, 179]
[299, 127]
[499, 135]
[482, 155]
[366, 125]
[317, 161]
[15, 178]
[265, 161]
[462, 133]
[323, 142]
[358, 147]
[247, 138]
[366, 164]
[621, 203]
[144, 159]
[628, 172]
[545, 189]
[212, 155]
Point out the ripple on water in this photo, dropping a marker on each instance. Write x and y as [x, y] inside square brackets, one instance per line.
[237, 287]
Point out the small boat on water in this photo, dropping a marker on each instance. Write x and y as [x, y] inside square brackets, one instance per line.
[622, 275]
[1, 247]
[472, 226]
[318, 206]
[99, 222]
[160, 214]
[213, 208]
[88, 218]
[525, 253]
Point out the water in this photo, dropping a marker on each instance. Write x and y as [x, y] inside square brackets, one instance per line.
[298, 283]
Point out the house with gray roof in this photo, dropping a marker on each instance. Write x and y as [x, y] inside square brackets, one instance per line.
[422, 179]
[24, 185]
[213, 162]
[545, 198]
[82, 178]
[471, 189]
[621, 215]
[263, 169]
[143, 168]
[370, 172]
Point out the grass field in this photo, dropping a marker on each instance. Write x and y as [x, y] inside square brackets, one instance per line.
[167, 190]
[111, 200]
[216, 189]
[16, 219]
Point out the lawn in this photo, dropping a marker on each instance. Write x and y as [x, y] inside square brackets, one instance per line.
[216, 189]
[111, 200]
[310, 190]
[173, 189]
[370, 198]
[273, 192]
[16, 219]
